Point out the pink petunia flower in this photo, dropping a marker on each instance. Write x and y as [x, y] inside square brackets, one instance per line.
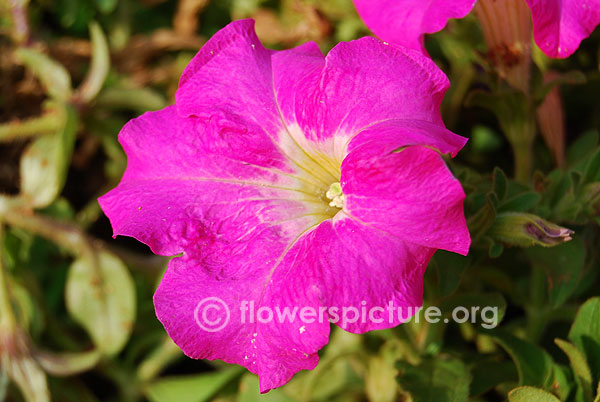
[559, 25]
[290, 180]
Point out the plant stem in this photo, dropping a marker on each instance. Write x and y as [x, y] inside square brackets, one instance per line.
[67, 236]
[48, 123]
[537, 311]
[7, 318]
[523, 155]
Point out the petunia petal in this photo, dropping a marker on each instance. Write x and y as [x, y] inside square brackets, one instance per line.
[236, 268]
[360, 85]
[347, 265]
[401, 133]
[406, 21]
[172, 160]
[230, 78]
[559, 26]
[333, 268]
[408, 193]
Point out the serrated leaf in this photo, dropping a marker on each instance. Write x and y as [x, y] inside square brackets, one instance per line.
[45, 162]
[581, 369]
[436, 379]
[531, 394]
[192, 388]
[53, 76]
[100, 295]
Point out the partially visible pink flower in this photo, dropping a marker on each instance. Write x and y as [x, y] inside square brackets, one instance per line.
[290, 179]
[559, 25]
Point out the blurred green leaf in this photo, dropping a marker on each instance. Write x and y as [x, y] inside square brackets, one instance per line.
[45, 162]
[534, 366]
[29, 377]
[53, 76]
[592, 169]
[450, 268]
[585, 333]
[192, 388]
[520, 203]
[436, 379]
[484, 139]
[583, 376]
[100, 295]
[531, 394]
[66, 364]
[249, 392]
[582, 146]
[489, 373]
[138, 99]
[99, 67]
[106, 6]
[500, 184]
[564, 266]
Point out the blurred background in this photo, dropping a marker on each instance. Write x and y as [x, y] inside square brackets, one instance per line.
[77, 321]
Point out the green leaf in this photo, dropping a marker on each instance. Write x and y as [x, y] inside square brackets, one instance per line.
[531, 394]
[436, 379]
[100, 295]
[500, 183]
[592, 169]
[582, 147]
[521, 203]
[581, 369]
[106, 6]
[564, 267]
[483, 219]
[45, 162]
[99, 66]
[29, 377]
[450, 268]
[496, 249]
[192, 388]
[53, 76]
[138, 99]
[66, 364]
[534, 366]
[489, 373]
[585, 333]
[597, 399]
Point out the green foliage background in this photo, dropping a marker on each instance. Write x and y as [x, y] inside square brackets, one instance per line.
[76, 316]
